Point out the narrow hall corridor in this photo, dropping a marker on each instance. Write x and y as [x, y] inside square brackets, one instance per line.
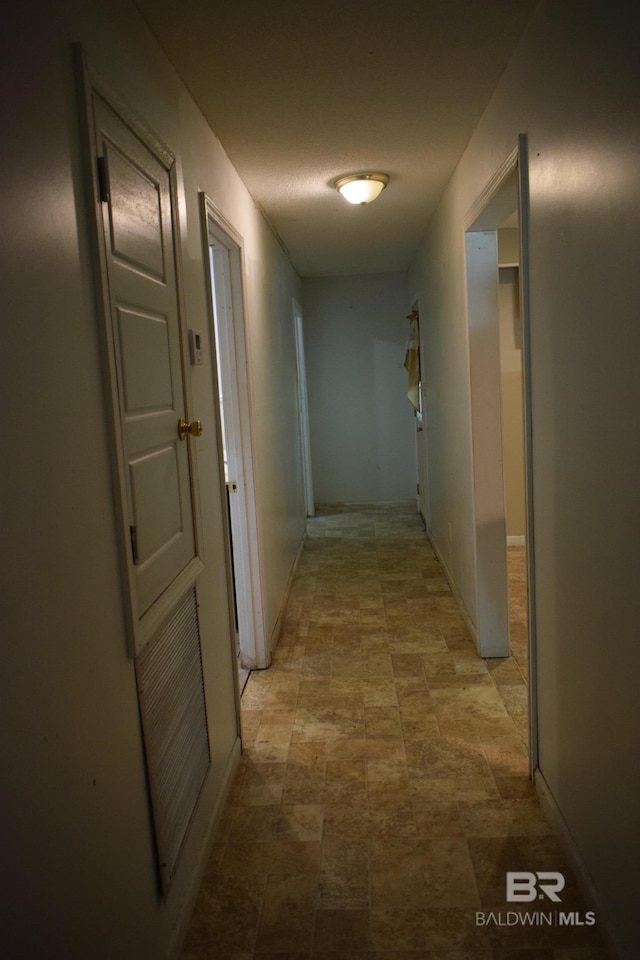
[383, 792]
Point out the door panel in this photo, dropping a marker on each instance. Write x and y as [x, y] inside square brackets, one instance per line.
[146, 362]
[135, 214]
[139, 238]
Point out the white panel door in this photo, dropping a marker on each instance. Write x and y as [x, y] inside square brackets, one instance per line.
[146, 357]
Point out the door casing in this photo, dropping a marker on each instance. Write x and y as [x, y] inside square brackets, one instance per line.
[223, 250]
[489, 550]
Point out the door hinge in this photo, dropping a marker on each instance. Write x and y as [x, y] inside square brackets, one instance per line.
[418, 488]
[134, 544]
[103, 182]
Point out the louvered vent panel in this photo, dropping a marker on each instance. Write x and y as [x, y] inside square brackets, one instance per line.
[174, 723]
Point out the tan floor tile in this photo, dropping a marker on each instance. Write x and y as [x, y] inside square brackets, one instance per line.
[492, 858]
[382, 723]
[346, 822]
[505, 672]
[286, 822]
[507, 756]
[515, 699]
[475, 702]
[287, 918]
[317, 665]
[327, 721]
[225, 918]
[380, 693]
[348, 687]
[416, 872]
[438, 819]
[350, 792]
[258, 862]
[451, 788]
[354, 748]
[379, 820]
[478, 729]
[281, 697]
[417, 723]
[391, 749]
[274, 732]
[382, 792]
[307, 754]
[404, 929]
[446, 757]
[266, 751]
[515, 788]
[262, 784]
[504, 818]
[303, 787]
[345, 770]
[387, 771]
[383, 763]
[391, 819]
[407, 665]
[251, 720]
[340, 929]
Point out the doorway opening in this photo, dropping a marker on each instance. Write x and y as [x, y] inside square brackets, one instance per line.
[420, 421]
[224, 252]
[303, 412]
[496, 232]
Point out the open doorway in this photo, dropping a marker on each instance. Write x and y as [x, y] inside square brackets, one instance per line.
[420, 421]
[497, 283]
[224, 251]
[303, 412]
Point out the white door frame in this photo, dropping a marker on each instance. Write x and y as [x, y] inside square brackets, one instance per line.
[226, 312]
[422, 454]
[303, 412]
[490, 558]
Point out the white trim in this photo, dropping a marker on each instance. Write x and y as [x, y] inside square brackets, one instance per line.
[507, 166]
[277, 630]
[516, 541]
[303, 411]
[466, 616]
[367, 504]
[247, 567]
[523, 276]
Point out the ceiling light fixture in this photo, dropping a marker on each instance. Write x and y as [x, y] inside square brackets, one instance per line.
[362, 187]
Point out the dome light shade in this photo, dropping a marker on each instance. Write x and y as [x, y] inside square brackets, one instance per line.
[362, 187]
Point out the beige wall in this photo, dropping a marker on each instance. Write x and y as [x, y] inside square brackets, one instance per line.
[78, 854]
[572, 87]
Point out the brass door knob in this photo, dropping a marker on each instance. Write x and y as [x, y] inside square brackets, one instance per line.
[193, 429]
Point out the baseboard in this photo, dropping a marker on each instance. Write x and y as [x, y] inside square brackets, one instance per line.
[174, 950]
[564, 835]
[366, 504]
[277, 630]
[516, 541]
[471, 627]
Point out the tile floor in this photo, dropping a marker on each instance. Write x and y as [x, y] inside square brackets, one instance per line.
[383, 791]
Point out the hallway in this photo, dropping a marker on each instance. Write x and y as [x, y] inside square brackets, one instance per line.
[383, 792]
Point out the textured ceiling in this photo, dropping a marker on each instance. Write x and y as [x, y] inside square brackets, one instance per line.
[300, 93]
